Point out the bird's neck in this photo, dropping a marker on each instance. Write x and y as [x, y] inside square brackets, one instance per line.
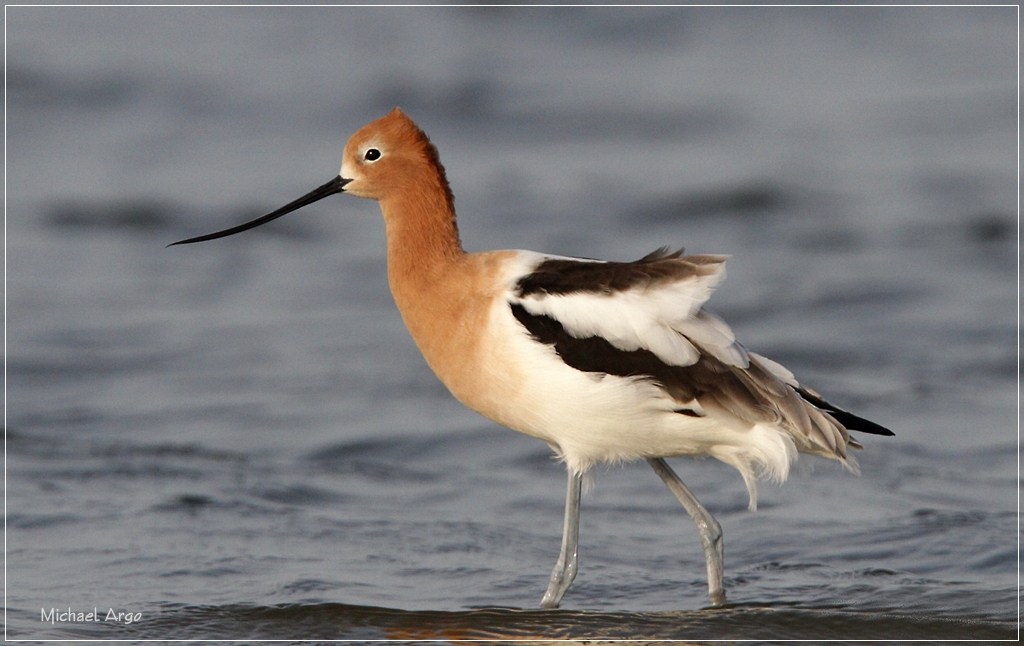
[422, 238]
[445, 295]
[427, 272]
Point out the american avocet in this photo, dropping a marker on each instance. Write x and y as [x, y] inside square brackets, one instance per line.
[604, 361]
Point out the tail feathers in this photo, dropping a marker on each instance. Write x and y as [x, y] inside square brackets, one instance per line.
[854, 423]
[849, 420]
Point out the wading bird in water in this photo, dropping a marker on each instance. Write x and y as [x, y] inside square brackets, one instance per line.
[604, 361]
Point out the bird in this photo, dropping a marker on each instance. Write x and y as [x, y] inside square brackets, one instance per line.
[606, 362]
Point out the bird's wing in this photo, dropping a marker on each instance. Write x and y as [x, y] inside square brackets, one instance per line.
[644, 319]
[651, 304]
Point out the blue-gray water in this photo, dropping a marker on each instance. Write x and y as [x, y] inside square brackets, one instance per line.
[239, 440]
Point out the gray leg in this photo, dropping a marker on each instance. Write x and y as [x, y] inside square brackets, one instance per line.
[710, 530]
[565, 568]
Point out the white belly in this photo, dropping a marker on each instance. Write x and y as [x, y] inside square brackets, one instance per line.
[590, 417]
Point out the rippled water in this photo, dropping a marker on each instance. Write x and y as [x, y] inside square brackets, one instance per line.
[239, 440]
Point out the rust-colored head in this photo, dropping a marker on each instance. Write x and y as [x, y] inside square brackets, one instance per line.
[387, 157]
[391, 154]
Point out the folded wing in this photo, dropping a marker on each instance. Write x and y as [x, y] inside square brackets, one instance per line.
[644, 319]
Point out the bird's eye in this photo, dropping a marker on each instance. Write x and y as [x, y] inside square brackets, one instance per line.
[372, 155]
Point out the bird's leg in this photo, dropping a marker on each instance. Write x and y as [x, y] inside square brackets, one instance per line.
[710, 530]
[565, 568]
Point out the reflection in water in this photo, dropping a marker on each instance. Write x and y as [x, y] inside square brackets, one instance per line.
[339, 621]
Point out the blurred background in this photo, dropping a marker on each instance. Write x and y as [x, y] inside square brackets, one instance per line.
[238, 439]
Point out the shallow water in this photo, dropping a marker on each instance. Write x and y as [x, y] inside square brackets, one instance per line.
[239, 440]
